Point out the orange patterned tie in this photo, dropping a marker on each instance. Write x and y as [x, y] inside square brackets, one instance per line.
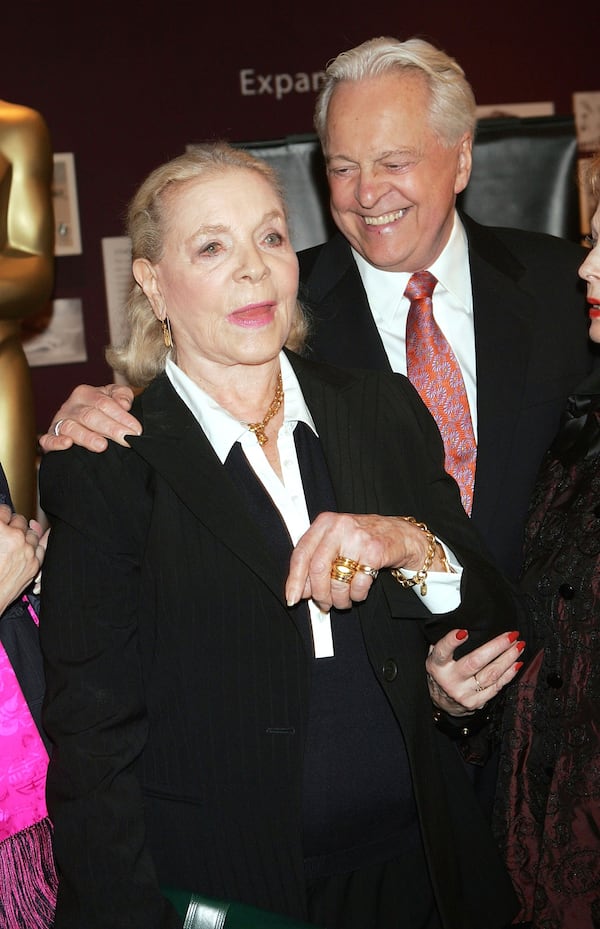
[433, 369]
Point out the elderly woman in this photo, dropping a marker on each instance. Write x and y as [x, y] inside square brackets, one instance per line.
[238, 609]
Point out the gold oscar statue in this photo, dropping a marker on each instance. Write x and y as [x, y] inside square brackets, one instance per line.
[26, 280]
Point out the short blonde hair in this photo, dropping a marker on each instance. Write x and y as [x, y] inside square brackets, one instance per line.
[144, 354]
[452, 110]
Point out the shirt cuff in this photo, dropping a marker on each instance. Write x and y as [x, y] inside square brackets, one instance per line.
[443, 587]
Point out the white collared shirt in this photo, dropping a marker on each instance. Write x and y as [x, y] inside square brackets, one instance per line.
[452, 308]
[223, 431]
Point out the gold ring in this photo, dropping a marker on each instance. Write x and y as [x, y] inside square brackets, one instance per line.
[367, 569]
[478, 687]
[343, 569]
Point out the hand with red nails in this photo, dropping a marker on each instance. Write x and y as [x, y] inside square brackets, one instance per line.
[464, 685]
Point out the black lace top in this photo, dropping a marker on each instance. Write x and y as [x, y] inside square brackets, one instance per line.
[548, 808]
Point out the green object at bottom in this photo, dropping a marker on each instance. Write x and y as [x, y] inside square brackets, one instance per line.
[204, 913]
[179, 898]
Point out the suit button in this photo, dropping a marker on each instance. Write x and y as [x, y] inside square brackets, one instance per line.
[554, 679]
[390, 670]
[566, 591]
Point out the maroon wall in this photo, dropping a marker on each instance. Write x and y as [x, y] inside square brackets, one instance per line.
[130, 86]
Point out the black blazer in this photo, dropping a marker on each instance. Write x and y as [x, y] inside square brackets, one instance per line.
[531, 347]
[177, 680]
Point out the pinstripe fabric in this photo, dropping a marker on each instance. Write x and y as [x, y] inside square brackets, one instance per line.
[178, 678]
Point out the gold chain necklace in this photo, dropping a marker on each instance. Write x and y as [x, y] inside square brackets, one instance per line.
[259, 428]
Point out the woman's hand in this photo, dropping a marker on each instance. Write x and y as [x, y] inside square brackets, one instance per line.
[90, 416]
[22, 550]
[372, 542]
[41, 551]
[463, 686]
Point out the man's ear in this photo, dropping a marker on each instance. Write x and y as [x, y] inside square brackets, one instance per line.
[145, 274]
[464, 163]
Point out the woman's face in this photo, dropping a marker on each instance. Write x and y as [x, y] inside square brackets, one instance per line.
[228, 278]
[590, 272]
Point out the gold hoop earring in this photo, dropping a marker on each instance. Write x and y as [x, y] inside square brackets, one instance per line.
[166, 330]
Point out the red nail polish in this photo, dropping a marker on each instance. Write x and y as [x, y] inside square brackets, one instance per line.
[520, 646]
[513, 636]
[518, 665]
[461, 634]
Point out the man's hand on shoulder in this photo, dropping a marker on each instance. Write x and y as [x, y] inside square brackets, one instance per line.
[90, 416]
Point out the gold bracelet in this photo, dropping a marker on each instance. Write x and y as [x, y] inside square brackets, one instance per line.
[443, 558]
[421, 576]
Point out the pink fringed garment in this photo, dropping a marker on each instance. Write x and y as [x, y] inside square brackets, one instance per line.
[27, 875]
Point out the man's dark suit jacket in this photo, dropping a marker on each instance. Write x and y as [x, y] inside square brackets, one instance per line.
[531, 347]
[177, 678]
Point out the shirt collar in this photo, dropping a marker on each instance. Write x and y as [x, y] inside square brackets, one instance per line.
[451, 269]
[221, 428]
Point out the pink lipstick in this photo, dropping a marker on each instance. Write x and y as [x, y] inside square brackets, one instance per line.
[253, 315]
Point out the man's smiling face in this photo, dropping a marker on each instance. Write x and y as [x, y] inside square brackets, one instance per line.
[393, 183]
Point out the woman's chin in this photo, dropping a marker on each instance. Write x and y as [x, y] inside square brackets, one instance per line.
[594, 331]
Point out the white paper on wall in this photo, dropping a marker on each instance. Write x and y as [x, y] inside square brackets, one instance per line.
[63, 339]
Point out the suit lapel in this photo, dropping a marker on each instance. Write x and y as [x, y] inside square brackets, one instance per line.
[176, 447]
[333, 397]
[345, 332]
[503, 336]
[330, 394]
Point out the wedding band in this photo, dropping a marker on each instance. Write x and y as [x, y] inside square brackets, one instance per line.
[478, 687]
[57, 426]
[343, 569]
[367, 569]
